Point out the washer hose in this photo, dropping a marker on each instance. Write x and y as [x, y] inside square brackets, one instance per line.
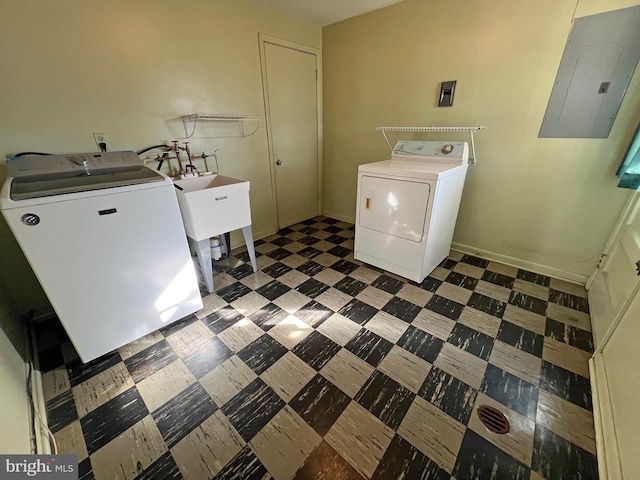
[145, 150]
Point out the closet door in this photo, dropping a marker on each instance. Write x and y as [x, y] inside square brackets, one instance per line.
[292, 106]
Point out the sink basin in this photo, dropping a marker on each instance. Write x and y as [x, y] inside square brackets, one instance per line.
[213, 204]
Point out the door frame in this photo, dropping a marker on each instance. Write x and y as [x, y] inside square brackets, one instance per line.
[264, 39]
[631, 205]
[626, 211]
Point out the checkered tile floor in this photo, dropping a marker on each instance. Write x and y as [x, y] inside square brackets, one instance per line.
[320, 367]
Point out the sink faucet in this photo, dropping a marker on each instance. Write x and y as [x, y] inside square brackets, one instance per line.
[190, 169]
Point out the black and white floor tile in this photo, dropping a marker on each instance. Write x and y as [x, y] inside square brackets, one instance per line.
[321, 367]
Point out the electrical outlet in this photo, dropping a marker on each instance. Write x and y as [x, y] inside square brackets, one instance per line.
[102, 141]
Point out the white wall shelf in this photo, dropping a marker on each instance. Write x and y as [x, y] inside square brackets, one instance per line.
[242, 125]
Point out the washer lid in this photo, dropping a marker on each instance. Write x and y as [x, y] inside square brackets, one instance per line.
[70, 162]
[48, 184]
[45, 175]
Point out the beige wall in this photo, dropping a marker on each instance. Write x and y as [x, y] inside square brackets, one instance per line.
[131, 68]
[546, 204]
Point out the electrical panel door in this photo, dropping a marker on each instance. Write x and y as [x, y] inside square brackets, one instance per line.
[599, 59]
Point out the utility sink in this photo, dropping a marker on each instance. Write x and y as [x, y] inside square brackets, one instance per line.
[213, 204]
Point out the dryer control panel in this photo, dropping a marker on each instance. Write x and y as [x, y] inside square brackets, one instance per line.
[450, 152]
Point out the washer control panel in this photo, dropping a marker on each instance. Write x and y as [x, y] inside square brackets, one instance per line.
[456, 151]
[81, 162]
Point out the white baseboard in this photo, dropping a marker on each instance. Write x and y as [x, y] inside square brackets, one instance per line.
[524, 264]
[507, 260]
[41, 441]
[239, 241]
[338, 216]
[263, 233]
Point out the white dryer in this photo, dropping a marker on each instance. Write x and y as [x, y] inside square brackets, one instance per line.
[104, 236]
[407, 207]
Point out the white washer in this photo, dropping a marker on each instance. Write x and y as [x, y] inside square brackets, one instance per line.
[407, 207]
[103, 234]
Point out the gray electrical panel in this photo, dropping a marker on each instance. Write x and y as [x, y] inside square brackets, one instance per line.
[599, 59]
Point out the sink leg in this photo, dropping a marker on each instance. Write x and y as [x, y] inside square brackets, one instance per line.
[248, 239]
[203, 251]
[227, 243]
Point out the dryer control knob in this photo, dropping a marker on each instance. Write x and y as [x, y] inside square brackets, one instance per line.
[448, 148]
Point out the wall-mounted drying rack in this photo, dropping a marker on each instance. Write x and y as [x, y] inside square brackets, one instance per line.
[241, 120]
[384, 131]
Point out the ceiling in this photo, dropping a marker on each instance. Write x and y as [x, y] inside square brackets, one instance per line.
[324, 12]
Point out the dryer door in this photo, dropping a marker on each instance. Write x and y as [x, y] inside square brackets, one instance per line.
[394, 207]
